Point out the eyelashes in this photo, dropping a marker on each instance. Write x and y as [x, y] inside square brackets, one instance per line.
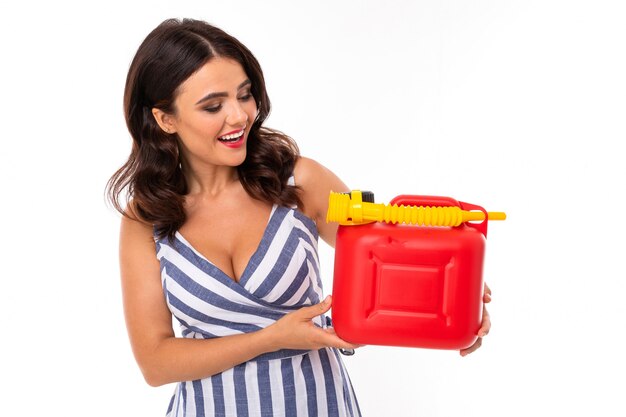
[216, 108]
[213, 109]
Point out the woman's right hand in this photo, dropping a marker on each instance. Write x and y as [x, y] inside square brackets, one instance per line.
[297, 331]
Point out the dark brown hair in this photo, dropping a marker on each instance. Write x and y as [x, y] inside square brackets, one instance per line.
[152, 177]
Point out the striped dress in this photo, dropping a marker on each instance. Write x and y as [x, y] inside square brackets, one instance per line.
[281, 276]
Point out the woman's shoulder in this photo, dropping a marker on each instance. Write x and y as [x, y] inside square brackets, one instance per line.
[316, 182]
[313, 177]
[133, 225]
[306, 169]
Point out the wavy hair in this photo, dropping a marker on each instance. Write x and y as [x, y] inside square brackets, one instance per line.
[152, 178]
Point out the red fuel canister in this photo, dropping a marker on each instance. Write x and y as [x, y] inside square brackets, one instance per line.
[408, 285]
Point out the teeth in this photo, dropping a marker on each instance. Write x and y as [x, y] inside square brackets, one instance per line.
[231, 137]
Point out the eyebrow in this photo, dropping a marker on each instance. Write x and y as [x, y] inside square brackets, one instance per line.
[223, 94]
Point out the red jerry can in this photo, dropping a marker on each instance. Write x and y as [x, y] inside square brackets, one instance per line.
[407, 285]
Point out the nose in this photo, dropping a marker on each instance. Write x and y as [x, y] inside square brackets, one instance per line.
[237, 116]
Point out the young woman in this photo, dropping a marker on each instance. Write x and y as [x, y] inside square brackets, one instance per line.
[220, 229]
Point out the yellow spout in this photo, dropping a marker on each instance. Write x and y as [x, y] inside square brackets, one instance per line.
[344, 209]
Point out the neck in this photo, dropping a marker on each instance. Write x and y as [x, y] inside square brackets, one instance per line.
[210, 181]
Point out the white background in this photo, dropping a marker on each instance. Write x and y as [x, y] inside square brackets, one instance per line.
[517, 106]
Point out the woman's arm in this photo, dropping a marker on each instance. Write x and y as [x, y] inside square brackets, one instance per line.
[164, 358]
[161, 356]
[317, 182]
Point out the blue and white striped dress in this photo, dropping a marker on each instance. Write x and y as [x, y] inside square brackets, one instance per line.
[282, 276]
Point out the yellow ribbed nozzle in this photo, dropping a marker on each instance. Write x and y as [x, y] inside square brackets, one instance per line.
[351, 210]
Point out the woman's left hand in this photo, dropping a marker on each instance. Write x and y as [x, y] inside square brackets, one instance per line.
[485, 326]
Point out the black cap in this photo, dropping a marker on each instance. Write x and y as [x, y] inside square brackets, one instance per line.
[367, 196]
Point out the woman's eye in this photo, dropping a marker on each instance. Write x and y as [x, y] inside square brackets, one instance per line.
[213, 109]
[245, 97]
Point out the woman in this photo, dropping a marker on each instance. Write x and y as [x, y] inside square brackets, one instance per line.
[220, 230]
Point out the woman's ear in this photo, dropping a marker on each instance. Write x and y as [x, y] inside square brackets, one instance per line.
[164, 120]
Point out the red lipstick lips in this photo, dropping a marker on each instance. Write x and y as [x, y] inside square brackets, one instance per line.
[233, 139]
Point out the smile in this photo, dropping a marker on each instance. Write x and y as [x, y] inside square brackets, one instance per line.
[231, 137]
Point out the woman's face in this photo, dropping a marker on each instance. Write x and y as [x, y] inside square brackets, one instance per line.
[214, 113]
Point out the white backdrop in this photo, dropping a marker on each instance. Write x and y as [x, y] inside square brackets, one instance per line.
[517, 106]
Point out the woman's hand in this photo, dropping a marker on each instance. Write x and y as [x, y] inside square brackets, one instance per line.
[297, 331]
[485, 326]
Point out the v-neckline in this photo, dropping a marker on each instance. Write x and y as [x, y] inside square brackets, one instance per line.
[245, 275]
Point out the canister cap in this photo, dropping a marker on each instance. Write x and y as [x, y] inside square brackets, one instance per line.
[367, 196]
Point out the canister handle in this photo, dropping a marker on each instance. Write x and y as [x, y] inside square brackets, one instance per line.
[424, 200]
[431, 200]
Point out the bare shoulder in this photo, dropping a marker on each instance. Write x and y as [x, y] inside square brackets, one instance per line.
[133, 227]
[316, 182]
[135, 234]
[310, 175]
[306, 169]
